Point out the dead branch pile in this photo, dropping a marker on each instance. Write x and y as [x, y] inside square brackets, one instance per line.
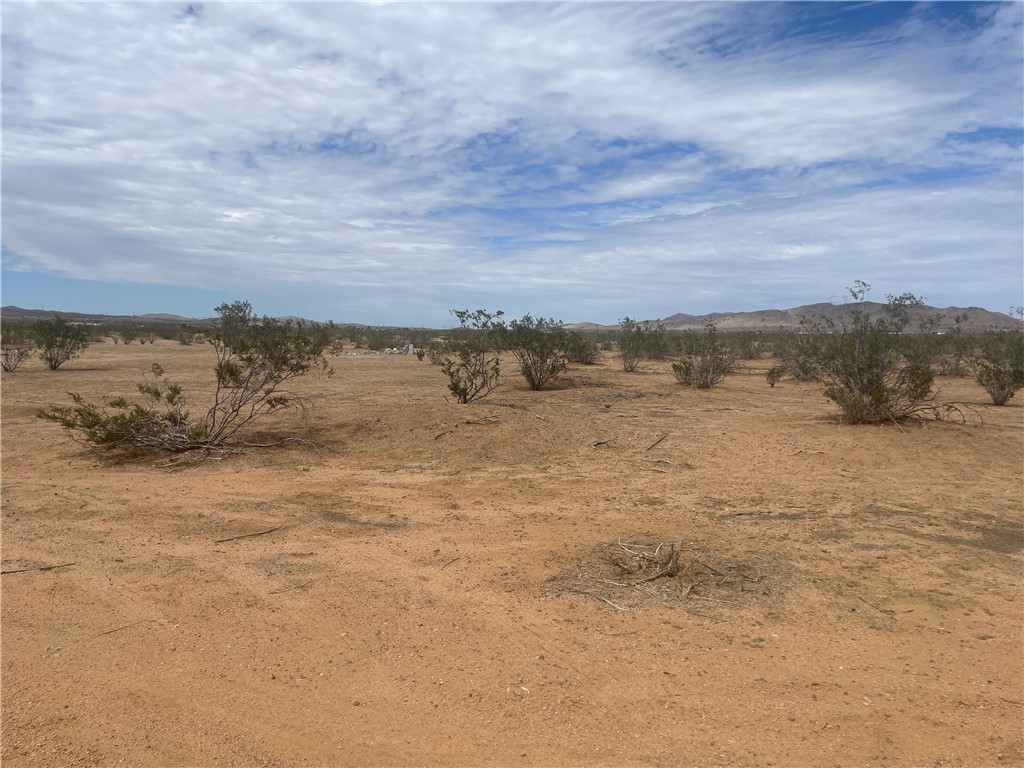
[666, 571]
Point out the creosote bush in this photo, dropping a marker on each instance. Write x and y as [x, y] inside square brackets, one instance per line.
[436, 352]
[708, 364]
[581, 348]
[16, 346]
[470, 358]
[948, 348]
[59, 341]
[639, 340]
[160, 422]
[538, 345]
[797, 353]
[746, 345]
[872, 370]
[254, 360]
[999, 368]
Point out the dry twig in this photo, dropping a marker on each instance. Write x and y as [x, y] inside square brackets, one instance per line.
[39, 568]
[624, 546]
[248, 535]
[126, 626]
[868, 602]
[598, 597]
[671, 567]
[656, 442]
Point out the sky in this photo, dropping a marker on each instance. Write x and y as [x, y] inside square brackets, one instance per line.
[384, 163]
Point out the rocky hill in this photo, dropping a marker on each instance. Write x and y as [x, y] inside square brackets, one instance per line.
[978, 319]
[12, 312]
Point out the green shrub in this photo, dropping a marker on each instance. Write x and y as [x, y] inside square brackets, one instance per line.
[656, 344]
[161, 422]
[581, 348]
[796, 351]
[746, 344]
[16, 346]
[708, 364]
[774, 375]
[190, 337]
[59, 341]
[999, 368]
[638, 340]
[254, 360]
[470, 359]
[954, 349]
[379, 339]
[538, 345]
[436, 351]
[871, 369]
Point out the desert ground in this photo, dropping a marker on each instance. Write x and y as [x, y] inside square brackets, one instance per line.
[444, 584]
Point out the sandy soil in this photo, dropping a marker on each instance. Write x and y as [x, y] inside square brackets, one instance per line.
[445, 584]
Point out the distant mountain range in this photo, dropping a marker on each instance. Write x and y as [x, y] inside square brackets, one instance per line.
[17, 313]
[978, 319]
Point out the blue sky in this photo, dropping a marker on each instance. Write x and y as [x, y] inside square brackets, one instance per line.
[386, 162]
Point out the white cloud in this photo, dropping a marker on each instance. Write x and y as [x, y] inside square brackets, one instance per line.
[521, 152]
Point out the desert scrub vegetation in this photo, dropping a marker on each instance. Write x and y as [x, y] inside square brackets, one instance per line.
[949, 348]
[641, 340]
[999, 365]
[746, 344]
[160, 421]
[469, 358]
[795, 351]
[708, 361]
[59, 341]
[435, 351]
[254, 360]
[538, 345]
[581, 348]
[872, 369]
[16, 345]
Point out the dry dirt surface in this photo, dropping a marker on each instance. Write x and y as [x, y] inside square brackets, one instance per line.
[615, 572]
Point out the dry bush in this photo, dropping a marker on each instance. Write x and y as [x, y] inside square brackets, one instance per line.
[661, 572]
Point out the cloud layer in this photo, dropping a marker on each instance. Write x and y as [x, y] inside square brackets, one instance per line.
[386, 162]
